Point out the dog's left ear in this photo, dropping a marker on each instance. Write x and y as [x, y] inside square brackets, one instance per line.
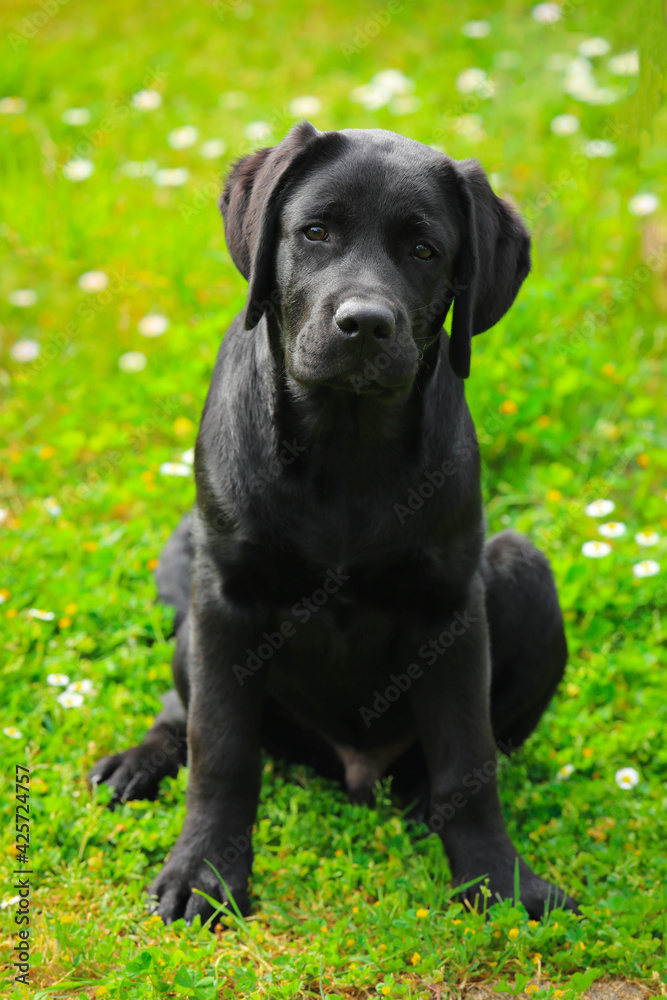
[494, 259]
[250, 204]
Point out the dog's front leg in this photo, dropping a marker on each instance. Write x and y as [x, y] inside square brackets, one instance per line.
[225, 763]
[451, 706]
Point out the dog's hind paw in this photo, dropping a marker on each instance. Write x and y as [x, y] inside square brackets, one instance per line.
[135, 773]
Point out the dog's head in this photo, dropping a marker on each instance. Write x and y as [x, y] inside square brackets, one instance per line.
[359, 241]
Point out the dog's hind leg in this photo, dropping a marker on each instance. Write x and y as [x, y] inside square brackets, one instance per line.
[528, 647]
[136, 773]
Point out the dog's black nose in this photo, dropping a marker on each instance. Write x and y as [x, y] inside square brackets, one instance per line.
[361, 317]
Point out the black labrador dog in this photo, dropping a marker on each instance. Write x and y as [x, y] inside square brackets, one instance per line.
[336, 602]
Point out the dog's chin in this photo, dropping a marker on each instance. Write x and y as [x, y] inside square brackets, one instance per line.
[355, 383]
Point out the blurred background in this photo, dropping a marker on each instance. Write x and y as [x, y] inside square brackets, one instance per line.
[118, 123]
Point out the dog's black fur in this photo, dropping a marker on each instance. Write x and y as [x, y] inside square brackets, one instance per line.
[335, 598]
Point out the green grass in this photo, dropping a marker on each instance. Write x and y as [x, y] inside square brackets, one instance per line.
[569, 400]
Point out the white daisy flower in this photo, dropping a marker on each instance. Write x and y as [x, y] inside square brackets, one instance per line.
[171, 178]
[647, 538]
[2, 598]
[476, 29]
[81, 687]
[394, 81]
[57, 680]
[182, 138]
[625, 64]
[470, 80]
[612, 529]
[592, 47]
[4, 514]
[139, 168]
[153, 325]
[595, 550]
[648, 567]
[564, 772]
[305, 107]
[599, 148]
[188, 456]
[257, 131]
[52, 507]
[599, 508]
[546, 13]
[212, 149]
[14, 734]
[76, 116]
[643, 204]
[24, 350]
[22, 297]
[10, 900]
[175, 469]
[471, 126]
[78, 169]
[564, 125]
[627, 777]
[371, 97]
[70, 699]
[132, 361]
[93, 281]
[146, 100]
[42, 616]
[12, 106]
[405, 105]
[233, 99]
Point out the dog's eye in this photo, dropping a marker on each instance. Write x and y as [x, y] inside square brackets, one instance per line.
[423, 251]
[316, 233]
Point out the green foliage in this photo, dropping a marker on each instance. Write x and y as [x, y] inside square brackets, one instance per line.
[569, 402]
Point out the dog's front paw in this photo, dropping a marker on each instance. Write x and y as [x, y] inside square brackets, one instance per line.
[177, 890]
[537, 895]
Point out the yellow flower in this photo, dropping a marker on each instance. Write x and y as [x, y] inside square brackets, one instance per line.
[4, 595]
[89, 546]
[355, 909]
[422, 912]
[152, 564]
[643, 460]
[385, 990]
[514, 933]
[531, 988]
[608, 369]
[558, 994]
[11, 613]
[553, 496]
[48, 451]
[71, 609]
[338, 853]
[508, 407]
[64, 622]
[496, 933]
[533, 923]
[102, 991]
[543, 421]
[457, 921]
[416, 958]
[537, 957]
[183, 427]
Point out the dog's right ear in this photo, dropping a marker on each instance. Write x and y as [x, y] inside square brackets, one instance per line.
[250, 204]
